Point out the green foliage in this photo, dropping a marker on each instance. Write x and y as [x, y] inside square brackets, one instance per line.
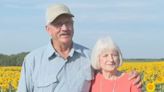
[17, 59]
[12, 60]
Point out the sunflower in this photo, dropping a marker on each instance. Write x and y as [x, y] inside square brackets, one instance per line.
[150, 87]
[159, 79]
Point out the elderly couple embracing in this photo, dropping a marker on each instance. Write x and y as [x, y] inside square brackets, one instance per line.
[65, 66]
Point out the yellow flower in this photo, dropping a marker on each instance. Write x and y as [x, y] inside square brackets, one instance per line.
[159, 80]
[150, 87]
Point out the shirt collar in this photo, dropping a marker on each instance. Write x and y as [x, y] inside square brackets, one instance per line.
[80, 49]
[51, 53]
[75, 49]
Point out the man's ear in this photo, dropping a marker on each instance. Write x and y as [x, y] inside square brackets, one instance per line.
[48, 29]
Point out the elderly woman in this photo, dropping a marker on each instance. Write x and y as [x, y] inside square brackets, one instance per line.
[106, 58]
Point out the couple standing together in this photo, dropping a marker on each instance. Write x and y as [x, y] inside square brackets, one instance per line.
[65, 66]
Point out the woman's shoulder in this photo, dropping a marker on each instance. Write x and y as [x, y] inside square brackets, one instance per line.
[97, 76]
[124, 77]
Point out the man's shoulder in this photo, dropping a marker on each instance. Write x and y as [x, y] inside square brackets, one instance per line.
[80, 46]
[36, 52]
[82, 49]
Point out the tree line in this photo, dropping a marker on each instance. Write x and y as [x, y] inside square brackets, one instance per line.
[17, 59]
[12, 60]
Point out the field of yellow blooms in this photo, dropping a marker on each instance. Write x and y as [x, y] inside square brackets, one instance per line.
[9, 77]
[152, 74]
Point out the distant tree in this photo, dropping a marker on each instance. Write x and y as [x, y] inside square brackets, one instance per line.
[12, 60]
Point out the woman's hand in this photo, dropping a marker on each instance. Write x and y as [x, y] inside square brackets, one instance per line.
[137, 79]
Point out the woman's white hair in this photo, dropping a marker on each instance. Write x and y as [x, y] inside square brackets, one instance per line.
[103, 44]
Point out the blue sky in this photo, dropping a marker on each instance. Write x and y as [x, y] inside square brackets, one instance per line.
[137, 26]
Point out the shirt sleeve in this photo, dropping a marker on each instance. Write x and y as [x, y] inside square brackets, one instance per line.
[25, 82]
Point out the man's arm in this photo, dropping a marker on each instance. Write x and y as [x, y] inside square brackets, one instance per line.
[25, 78]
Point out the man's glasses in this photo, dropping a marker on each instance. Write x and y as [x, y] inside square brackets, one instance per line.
[60, 23]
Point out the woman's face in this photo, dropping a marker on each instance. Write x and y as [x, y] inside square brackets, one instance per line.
[109, 60]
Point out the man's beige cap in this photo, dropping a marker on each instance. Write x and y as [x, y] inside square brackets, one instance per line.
[56, 10]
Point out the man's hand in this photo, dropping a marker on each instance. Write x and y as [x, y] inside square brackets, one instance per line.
[137, 79]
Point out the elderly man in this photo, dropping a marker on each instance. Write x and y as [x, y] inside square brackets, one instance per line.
[62, 65]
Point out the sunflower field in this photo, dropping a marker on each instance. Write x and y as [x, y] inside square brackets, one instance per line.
[152, 74]
[9, 78]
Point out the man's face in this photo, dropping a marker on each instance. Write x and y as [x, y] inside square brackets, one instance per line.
[61, 30]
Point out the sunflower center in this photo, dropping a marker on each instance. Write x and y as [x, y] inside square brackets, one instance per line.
[150, 86]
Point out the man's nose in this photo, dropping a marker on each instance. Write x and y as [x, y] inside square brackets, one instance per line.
[64, 27]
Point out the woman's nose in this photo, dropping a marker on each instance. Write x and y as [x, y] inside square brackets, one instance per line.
[110, 57]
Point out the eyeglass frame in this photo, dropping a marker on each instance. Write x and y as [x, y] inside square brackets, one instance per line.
[61, 23]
